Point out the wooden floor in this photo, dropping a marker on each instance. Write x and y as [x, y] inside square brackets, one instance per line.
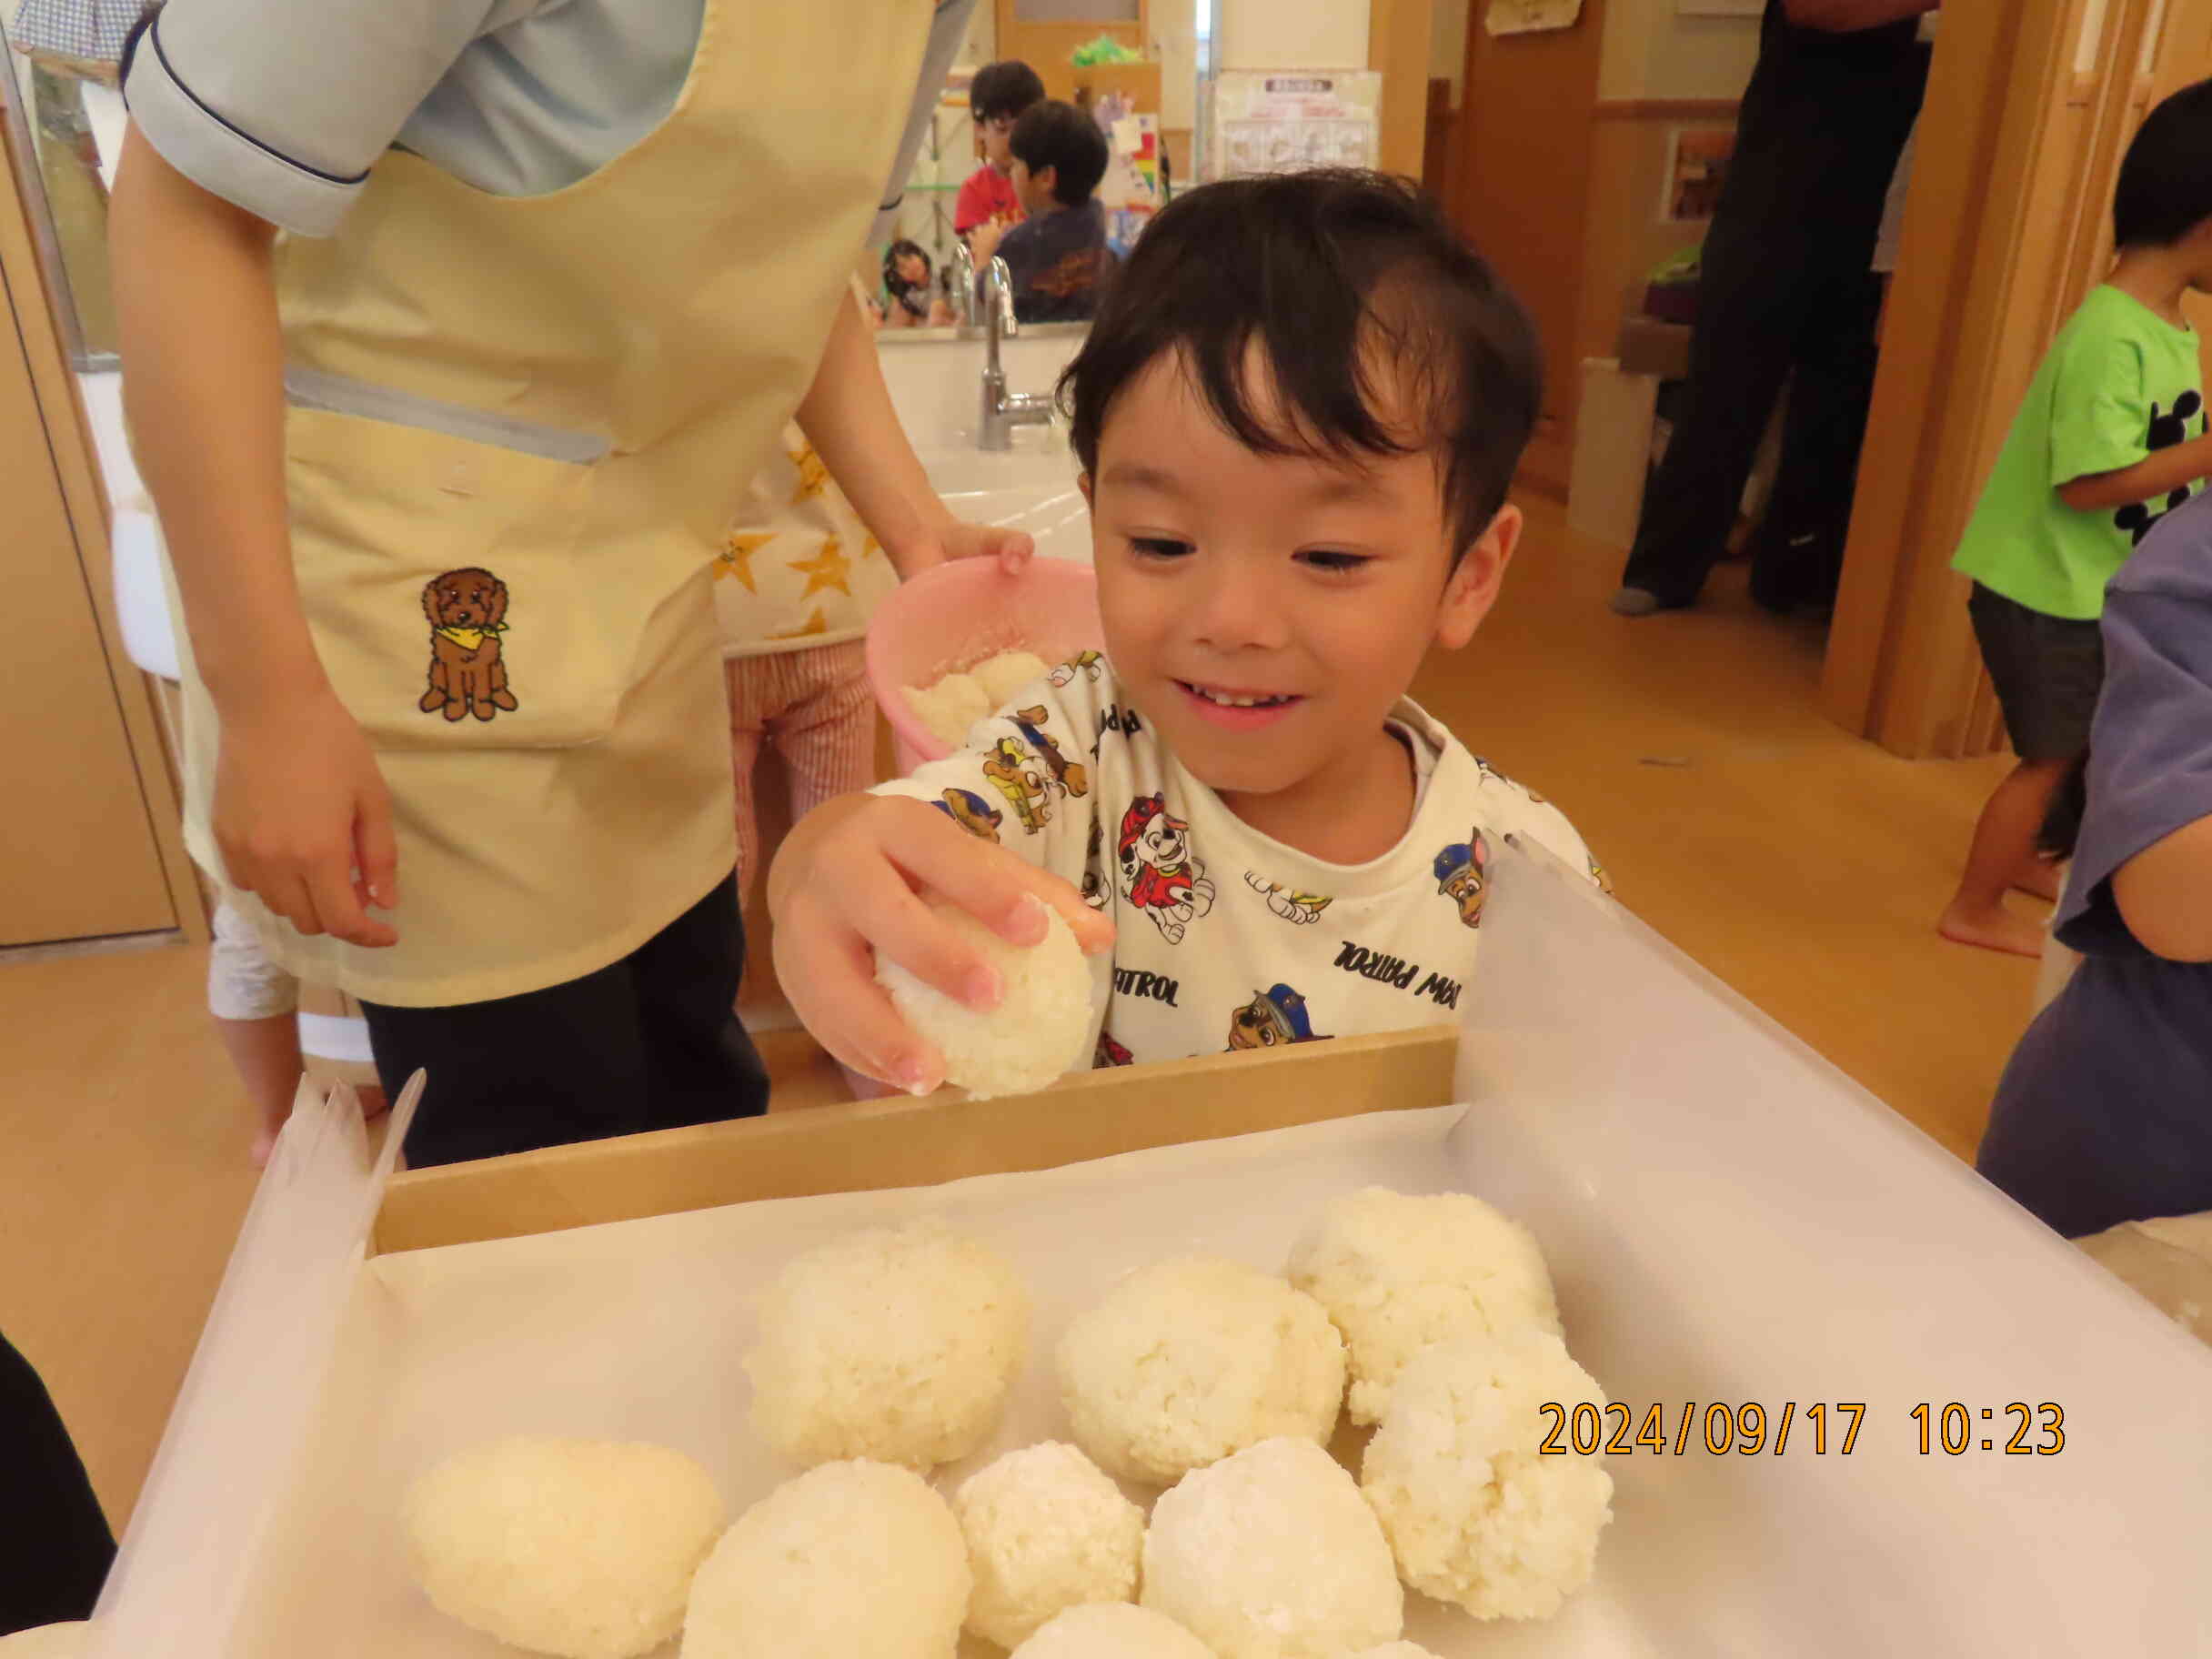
[1803, 868]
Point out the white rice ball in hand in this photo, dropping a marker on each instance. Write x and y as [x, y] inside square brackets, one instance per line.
[896, 1345]
[1115, 1632]
[1274, 1554]
[1041, 1028]
[849, 1559]
[1399, 1272]
[1192, 1358]
[1474, 1513]
[1003, 675]
[1046, 1531]
[579, 1548]
[949, 707]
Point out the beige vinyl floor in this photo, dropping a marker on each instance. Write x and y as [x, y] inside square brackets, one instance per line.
[1804, 867]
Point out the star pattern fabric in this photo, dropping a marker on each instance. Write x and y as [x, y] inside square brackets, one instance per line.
[801, 568]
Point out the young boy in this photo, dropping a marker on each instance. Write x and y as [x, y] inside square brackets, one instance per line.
[2110, 439]
[998, 97]
[1297, 415]
[1057, 255]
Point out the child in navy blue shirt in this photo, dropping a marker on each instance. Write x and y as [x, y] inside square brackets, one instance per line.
[2104, 1113]
[1058, 254]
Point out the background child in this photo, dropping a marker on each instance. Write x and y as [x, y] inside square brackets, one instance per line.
[2104, 1113]
[1057, 255]
[909, 298]
[1297, 413]
[997, 98]
[2111, 437]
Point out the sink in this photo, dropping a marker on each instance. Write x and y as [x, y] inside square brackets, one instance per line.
[1054, 513]
[936, 386]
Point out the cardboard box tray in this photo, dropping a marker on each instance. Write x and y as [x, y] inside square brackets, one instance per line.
[1728, 1219]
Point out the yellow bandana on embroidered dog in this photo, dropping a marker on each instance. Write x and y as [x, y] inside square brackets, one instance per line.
[471, 638]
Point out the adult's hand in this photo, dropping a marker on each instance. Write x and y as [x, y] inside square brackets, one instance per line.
[302, 821]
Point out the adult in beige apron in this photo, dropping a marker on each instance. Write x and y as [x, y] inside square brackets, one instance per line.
[520, 429]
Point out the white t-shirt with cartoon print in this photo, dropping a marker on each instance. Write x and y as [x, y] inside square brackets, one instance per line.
[1225, 937]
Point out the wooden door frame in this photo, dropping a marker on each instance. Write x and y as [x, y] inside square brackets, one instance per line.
[69, 437]
[1976, 301]
[1398, 46]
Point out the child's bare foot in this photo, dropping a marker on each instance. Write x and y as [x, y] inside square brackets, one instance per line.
[2044, 879]
[1994, 929]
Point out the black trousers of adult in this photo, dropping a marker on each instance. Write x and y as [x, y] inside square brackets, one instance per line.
[1774, 306]
[650, 1042]
[58, 1548]
[1785, 290]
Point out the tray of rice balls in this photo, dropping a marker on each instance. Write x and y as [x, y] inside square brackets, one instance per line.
[1559, 1372]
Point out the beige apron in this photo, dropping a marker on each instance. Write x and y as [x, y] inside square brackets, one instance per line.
[521, 428]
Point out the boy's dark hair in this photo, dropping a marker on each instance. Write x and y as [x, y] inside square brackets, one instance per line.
[2165, 179]
[1355, 287]
[1005, 88]
[1061, 137]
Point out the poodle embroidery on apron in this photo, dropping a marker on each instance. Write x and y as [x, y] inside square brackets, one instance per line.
[467, 612]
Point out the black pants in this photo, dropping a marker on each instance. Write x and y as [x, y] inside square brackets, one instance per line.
[1785, 294]
[58, 1546]
[651, 1042]
[1756, 330]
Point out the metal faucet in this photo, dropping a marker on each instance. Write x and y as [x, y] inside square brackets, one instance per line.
[1003, 410]
[964, 269]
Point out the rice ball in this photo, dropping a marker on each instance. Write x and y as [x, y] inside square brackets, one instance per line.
[1041, 1028]
[895, 1345]
[1046, 1531]
[1003, 675]
[1474, 1514]
[1274, 1554]
[582, 1548]
[1112, 1632]
[949, 707]
[849, 1559]
[1399, 1272]
[1192, 1358]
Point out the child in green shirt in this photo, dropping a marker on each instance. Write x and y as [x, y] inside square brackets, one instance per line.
[2111, 438]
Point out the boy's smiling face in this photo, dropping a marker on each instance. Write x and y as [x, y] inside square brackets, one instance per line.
[1265, 612]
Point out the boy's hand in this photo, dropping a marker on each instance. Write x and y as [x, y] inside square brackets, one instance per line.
[303, 821]
[984, 239]
[863, 887]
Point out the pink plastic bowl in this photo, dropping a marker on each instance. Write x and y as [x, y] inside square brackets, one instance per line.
[951, 618]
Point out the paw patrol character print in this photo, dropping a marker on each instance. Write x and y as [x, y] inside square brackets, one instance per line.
[1299, 908]
[1463, 875]
[1160, 877]
[1067, 776]
[467, 612]
[1096, 894]
[1110, 1053]
[1088, 663]
[972, 812]
[1008, 768]
[1270, 1020]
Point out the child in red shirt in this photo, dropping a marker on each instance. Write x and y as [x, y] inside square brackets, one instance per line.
[997, 97]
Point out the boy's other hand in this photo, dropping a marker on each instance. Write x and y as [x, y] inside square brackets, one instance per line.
[864, 888]
[302, 821]
[984, 239]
